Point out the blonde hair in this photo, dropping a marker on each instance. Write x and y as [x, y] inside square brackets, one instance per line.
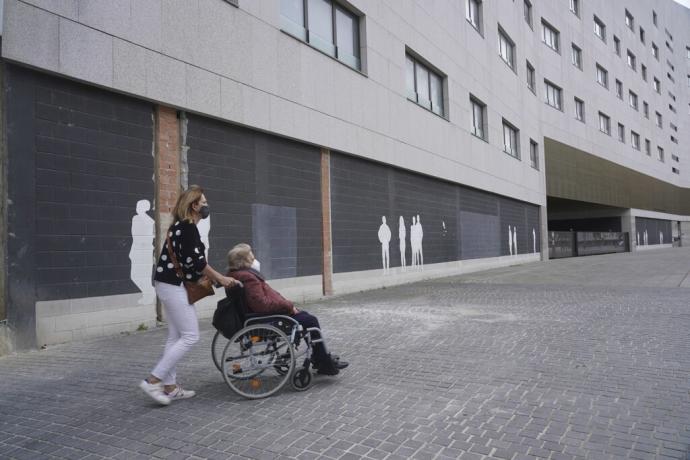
[238, 257]
[183, 207]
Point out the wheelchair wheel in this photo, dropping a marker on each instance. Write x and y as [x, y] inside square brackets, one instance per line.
[217, 346]
[257, 361]
[301, 379]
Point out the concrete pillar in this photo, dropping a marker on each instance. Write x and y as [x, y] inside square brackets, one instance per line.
[628, 225]
[685, 233]
[327, 243]
[167, 170]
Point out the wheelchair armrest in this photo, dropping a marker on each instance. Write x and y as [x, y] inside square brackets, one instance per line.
[254, 318]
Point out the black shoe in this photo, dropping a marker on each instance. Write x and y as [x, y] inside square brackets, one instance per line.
[332, 366]
[339, 364]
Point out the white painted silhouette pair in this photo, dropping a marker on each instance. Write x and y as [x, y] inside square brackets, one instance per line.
[142, 252]
[416, 237]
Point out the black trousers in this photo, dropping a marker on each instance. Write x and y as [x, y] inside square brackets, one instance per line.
[307, 320]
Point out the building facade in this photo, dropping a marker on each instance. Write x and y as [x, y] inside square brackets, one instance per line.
[355, 144]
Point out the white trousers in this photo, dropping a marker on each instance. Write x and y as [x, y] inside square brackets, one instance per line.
[183, 330]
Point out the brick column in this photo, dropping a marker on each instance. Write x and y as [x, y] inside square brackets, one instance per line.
[327, 273]
[167, 168]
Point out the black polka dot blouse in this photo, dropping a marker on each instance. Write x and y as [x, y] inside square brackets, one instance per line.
[190, 253]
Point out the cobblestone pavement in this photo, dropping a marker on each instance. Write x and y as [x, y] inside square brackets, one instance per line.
[540, 361]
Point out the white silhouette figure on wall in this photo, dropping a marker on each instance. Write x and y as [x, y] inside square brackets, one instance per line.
[646, 238]
[420, 237]
[661, 237]
[510, 240]
[141, 253]
[515, 240]
[204, 227]
[413, 241]
[638, 238]
[385, 239]
[444, 230]
[402, 236]
[534, 241]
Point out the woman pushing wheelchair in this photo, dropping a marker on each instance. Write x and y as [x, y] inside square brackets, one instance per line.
[262, 299]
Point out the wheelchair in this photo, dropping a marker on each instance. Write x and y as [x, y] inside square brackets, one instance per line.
[265, 353]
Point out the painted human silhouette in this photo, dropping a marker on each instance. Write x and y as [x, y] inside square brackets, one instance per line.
[402, 236]
[420, 238]
[661, 237]
[204, 227]
[646, 237]
[413, 241]
[515, 248]
[385, 240]
[534, 241]
[510, 240]
[141, 253]
[638, 238]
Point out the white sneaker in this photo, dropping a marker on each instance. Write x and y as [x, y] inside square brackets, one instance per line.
[155, 392]
[180, 393]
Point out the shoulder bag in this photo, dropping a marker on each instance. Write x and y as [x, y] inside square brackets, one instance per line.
[196, 290]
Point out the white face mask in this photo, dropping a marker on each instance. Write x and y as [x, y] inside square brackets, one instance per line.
[256, 265]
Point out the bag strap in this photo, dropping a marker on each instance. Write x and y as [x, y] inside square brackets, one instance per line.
[173, 257]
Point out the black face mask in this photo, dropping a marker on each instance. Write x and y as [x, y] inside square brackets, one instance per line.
[204, 211]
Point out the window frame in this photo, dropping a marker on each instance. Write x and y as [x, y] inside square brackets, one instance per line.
[534, 154]
[629, 20]
[579, 115]
[602, 28]
[576, 51]
[553, 32]
[621, 133]
[503, 37]
[479, 15]
[635, 140]
[574, 7]
[531, 76]
[631, 59]
[557, 92]
[617, 46]
[633, 100]
[607, 123]
[514, 139]
[476, 102]
[527, 13]
[619, 89]
[660, 155]
[430, 71]
[648, 147]
[605, 74]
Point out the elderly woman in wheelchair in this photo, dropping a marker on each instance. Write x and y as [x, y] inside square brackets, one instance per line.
[278, 342]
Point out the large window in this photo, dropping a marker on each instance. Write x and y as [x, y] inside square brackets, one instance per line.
[619, 89]
[533, 154]
[474, 14]
[655, 51]
[648, 147]
[424, 85]
[478, 118]
[632, 98]
[617, 45]
[660, 154]
[576, 56]
[575, 7]
[645, 109]
[599, 28]
[604, 123]
[621, 132]
[659, 120]
[657, 85]
[326, 25]
[530, 78]
[602, 76]
[506, 48]
[510, 140]
[550, 36]
[632, 61]
[579, 110]
[643, 70]
[629, 20]
[553, 95]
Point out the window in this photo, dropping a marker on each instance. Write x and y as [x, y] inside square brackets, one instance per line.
[619, 89]
[528, 12]
[645, 109]
[533, 154]
[654, 17]
[687, 52]
[474, 14]
[604, 123]
[549, 36]
[424, 85]
[553, 95]
[660, 154]
[632, 98]
[648, 147]
[629, 20]
[602, 76]
[659, 120]
[632, 60]
[599, 28]
[657, 85]
[327, 26]
[688, 80]
[576, 56]
[510, 140]
[642, 36]
[575, 7]
[655, 51]
[675, 170]
[478, 118]
[617, 45]
[530, 78]
[506, 48]
[675, 158]
[635, 140]
[644, 71]
[621, 133]
[579, 110]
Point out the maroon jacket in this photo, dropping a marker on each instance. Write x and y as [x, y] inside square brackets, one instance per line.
[261, 298]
